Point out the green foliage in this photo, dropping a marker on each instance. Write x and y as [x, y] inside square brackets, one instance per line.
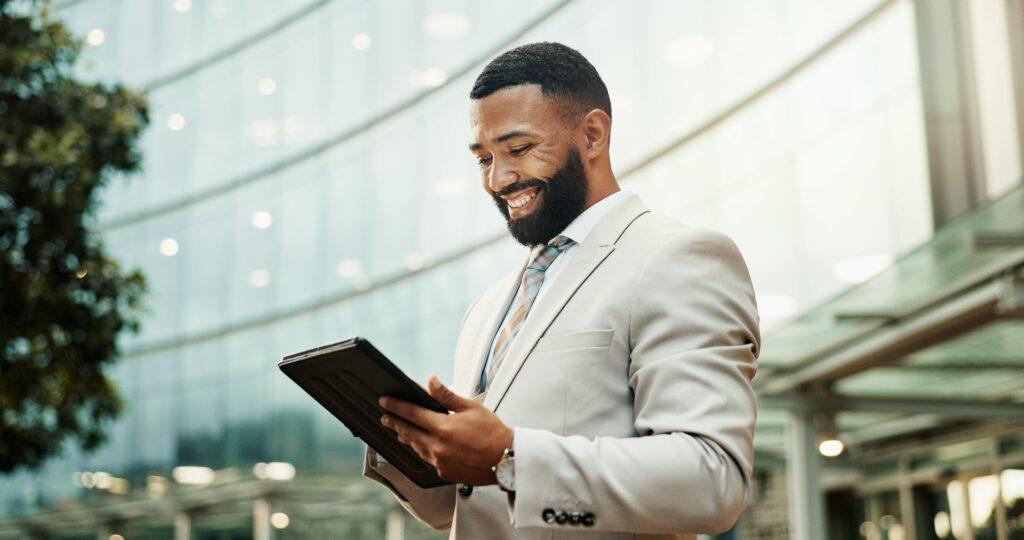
[63, 300]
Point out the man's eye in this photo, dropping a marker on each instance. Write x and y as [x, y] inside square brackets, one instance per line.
[483, 161]
[520, 149]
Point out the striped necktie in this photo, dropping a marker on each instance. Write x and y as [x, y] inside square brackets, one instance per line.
[532, 279]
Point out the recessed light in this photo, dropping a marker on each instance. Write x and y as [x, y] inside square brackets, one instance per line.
[266, 86]
[349, 268]
[169, 247]
[262, 219]
[688, 51]
[446, 25]
[175, 121]
[95, 37]
[428, 78]
[361, 42]
[259, 278]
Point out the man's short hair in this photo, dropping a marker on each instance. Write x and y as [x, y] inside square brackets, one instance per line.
[561, 71]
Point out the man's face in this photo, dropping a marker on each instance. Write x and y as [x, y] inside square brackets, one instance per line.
[528, 162]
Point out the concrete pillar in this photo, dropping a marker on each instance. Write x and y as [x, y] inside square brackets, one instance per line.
[182, 526]
[261, 529]
[395, 526]
[908, 519]
[803, 470]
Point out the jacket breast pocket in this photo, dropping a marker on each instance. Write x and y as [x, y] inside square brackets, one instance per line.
[599, 338]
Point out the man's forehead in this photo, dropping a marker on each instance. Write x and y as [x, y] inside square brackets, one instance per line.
[516, 108]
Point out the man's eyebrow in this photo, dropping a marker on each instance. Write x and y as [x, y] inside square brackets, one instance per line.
[510, 135]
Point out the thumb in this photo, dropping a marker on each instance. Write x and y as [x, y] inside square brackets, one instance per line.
[446, 397]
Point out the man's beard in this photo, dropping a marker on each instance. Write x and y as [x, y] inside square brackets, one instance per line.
[562, 200]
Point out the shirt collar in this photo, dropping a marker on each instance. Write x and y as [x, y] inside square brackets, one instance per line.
[580, 227]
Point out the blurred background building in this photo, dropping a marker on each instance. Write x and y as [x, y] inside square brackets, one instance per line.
[306, 180]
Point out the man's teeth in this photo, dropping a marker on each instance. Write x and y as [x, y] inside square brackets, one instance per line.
[516, 203]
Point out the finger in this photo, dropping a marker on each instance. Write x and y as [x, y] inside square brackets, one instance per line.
[425, 418]
[447, 397]
[406, 431]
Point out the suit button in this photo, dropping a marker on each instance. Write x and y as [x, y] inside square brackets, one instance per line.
[561, 518]
[588, 519]
[548, 515]
[575, 518]
[465, 491]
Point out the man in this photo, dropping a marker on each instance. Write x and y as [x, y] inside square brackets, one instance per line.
[603, 387]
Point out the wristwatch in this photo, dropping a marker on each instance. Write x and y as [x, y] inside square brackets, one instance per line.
[505, 470]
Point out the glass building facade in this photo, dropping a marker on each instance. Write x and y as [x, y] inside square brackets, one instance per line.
[306, 179]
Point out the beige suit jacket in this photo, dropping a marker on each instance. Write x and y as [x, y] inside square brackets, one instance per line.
[628, 388]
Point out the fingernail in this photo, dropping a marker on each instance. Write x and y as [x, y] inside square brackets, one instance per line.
[383, 402]
[385, 420]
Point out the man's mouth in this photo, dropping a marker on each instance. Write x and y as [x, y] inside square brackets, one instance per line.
[522, 203]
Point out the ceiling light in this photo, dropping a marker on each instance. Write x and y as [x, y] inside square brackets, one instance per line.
[446, 25]
[266, 86]
[688, 51]
[175, 121]
[428, 78]
[830, 447]
[349, 268]
[95, 37]
[193, 476]
[181, 6]
[414, 261]
[169, 247]
[279, 520]
[361, 42]
[262, 219]
[259, 278]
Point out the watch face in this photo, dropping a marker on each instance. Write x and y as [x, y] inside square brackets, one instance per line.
[505, 472]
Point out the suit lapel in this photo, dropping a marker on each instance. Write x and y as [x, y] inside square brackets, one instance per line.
[494, 305]
[594, 249]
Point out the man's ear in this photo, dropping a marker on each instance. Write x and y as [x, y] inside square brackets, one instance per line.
[596, 129]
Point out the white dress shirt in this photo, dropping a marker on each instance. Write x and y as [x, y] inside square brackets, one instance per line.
[577, 230]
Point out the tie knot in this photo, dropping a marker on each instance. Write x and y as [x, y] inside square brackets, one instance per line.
[547, 253]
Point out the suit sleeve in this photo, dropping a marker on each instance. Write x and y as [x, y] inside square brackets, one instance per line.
[435, 507]
[694, 340]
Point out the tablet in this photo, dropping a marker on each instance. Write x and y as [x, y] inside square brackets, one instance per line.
[347, 378]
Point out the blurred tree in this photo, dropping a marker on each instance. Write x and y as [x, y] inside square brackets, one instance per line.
[63, 300]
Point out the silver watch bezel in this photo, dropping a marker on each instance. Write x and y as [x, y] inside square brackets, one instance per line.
[507, 461]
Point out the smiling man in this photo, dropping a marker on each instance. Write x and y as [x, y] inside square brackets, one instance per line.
[603, 386]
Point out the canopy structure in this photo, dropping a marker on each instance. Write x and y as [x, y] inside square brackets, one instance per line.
[930, 347]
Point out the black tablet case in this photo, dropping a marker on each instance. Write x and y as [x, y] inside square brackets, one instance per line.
[347, 378]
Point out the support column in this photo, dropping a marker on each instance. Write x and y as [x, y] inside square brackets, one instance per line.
[395, 525]
[803, 473]
[182, 526]
[907, 512]
[1002, 529]
[261, 529]
[966, 496]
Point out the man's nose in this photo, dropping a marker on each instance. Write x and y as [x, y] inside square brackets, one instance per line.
[501, 176]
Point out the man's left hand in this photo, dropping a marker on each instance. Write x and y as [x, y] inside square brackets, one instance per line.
[461, 445]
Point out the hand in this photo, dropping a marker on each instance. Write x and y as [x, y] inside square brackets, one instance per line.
[462, 445]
